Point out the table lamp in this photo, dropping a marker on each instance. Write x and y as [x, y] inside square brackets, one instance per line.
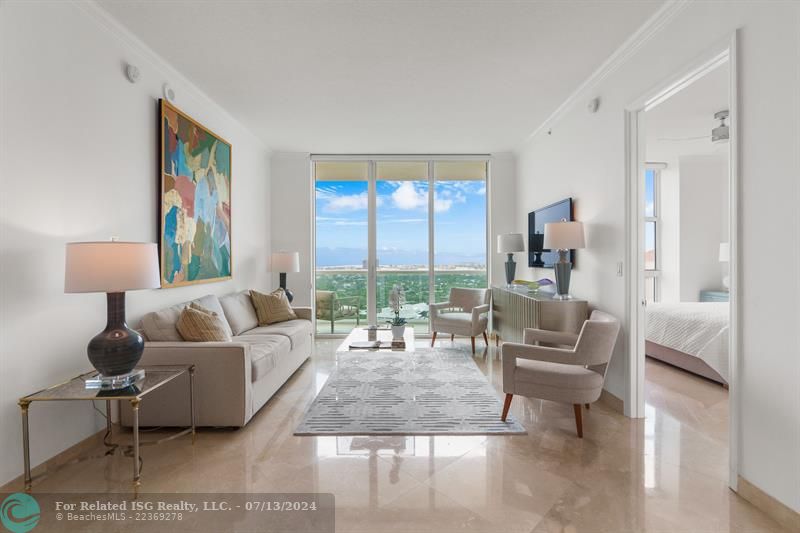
[509, 243]
[284, 262]
[113, 267]
[563, 236]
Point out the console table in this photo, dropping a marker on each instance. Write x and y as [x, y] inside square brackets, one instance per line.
[514, 309]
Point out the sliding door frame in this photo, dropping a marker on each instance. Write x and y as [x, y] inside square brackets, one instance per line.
[372, 240]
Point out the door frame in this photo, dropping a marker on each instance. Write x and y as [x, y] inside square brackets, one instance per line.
[724, 51]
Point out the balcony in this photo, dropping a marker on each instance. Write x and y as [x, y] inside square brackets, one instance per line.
[342, 295]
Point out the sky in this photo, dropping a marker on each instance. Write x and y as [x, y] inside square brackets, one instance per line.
[401, 222]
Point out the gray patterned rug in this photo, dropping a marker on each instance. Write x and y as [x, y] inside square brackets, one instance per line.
[428, 392]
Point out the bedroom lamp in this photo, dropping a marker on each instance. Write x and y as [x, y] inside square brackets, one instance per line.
[509, 243]
[113, 267]
[283, 262]
[563, 236]
[725, 257]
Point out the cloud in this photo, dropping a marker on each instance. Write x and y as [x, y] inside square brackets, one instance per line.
[407, 196]
[334, 201]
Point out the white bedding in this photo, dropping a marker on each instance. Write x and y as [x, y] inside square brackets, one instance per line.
[695, 328]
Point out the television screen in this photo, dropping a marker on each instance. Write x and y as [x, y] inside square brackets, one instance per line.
[538, 256]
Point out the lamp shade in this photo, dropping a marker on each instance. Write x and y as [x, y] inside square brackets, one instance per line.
[563, 235]
[509, 243]
[284, 262]
[724, 252]
[111, 266]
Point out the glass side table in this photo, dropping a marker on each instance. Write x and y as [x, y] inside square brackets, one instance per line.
[75, 389]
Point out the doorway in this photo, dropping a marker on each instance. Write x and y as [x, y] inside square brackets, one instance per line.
[667, 248]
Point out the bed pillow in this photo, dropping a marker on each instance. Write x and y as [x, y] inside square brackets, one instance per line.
[272, 308]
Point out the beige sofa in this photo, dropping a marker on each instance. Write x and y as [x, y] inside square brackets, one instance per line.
[233, 380]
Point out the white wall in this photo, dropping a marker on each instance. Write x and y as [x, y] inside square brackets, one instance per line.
[292, 220]
[703, 222]
[669, 233]
[79, 162]
[584, 158]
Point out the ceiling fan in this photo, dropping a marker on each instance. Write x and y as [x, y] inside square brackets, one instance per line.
[720, 134]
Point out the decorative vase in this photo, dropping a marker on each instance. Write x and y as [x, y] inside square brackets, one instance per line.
[398, 331]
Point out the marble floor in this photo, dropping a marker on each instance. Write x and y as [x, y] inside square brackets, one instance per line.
[664, 473]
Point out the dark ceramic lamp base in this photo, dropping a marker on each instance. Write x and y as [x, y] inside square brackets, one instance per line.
[116, 350]
[289, 295]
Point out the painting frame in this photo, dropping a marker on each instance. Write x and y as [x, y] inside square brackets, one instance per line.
[215, 262]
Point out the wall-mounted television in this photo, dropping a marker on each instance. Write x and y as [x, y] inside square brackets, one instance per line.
[538, 256]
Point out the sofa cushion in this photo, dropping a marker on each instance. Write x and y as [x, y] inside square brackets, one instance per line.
[557, 375]
[264, 351]
[272, 308]
[295, 330]
[239, 311]
[162, 325]
[198, 324]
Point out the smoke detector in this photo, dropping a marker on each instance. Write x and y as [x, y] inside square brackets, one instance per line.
[720, 133]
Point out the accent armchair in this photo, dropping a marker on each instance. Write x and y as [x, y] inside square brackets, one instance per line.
[465, 313]
[331, 307]
[569, 375]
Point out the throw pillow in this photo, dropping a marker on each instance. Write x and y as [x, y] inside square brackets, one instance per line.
[272, 308]
[198, 324]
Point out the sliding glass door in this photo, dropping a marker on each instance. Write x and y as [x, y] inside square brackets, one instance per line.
[381, 223]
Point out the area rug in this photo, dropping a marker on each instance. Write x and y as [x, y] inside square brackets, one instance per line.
[428, 392]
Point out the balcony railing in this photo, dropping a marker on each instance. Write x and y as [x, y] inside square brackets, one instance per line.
[342, 294]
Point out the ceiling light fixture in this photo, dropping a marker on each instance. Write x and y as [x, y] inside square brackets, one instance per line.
[721, 132]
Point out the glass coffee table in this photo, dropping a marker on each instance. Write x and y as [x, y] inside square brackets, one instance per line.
[75, 389]
[384, 335]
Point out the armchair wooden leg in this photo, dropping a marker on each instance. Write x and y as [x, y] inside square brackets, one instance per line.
[452, 337]
[506, 406]
[433, 339]
[473, 345]
[578, 419]
[485, 339]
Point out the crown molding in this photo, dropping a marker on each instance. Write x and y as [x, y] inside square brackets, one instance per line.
[665, 14]
[128, 39]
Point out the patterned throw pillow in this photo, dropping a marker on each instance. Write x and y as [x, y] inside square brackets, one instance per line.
[272, 308]
[198, 324]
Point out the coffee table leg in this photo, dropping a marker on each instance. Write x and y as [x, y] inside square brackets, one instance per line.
[135, 407]
[26, 447]
[191, 401]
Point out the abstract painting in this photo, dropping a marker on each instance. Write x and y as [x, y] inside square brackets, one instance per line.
[195, 201]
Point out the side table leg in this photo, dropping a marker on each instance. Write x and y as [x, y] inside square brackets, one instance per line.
[191, 401]
[26, 447]
[135, 407]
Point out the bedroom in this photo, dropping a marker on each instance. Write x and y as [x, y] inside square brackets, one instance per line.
[686, 234]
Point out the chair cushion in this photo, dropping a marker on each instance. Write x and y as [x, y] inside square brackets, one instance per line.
[557, 375]
[455, 318]
[264, 351]
[162, 325]
[296, 330]
[198, 324]
[239, 311]
[272, 308]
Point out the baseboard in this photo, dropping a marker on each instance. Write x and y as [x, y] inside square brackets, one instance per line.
[613, 402]
[780, 512]
[58, 460]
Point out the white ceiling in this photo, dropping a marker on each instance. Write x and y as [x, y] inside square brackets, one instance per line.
[672, 126]
[386, 77]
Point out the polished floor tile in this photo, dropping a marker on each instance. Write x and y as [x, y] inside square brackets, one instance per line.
[667, 472]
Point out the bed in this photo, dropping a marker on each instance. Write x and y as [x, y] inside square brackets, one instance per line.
[691, 335]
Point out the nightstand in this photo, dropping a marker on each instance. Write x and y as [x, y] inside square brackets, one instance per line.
[714, 296]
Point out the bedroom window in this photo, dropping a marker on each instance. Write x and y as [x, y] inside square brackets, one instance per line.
[651, 234]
